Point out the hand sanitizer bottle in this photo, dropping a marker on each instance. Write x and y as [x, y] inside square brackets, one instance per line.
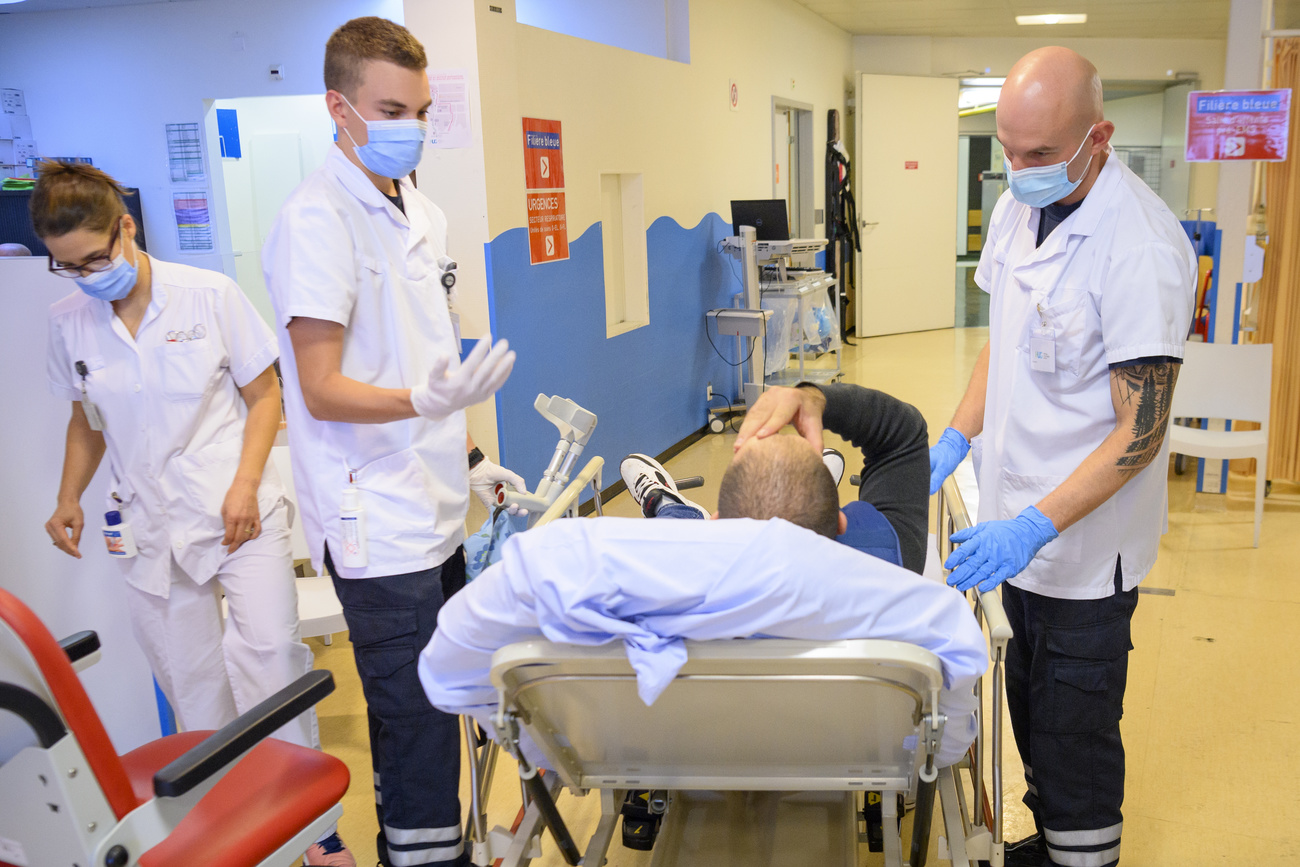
[118, 536]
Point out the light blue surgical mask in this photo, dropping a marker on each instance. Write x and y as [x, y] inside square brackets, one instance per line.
[393, 148]
[1040, 186]
[113, 283]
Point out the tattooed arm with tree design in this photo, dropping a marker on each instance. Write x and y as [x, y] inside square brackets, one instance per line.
[1141, 394]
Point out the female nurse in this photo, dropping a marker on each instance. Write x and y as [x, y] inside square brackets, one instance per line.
[169, 371]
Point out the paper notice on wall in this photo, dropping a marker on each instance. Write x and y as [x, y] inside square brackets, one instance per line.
[15, 126]
[12, 101]
[24, 150]
[185, 153]
[193, 221]
[449, 120]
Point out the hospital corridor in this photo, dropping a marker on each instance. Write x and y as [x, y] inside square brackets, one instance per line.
[675, 433]
[1206, 680]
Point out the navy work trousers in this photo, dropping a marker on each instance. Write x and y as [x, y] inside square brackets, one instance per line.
[415, 748]
[1067, 667]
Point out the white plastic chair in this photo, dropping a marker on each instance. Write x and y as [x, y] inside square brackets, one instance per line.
[1229, 381]
[319, 611]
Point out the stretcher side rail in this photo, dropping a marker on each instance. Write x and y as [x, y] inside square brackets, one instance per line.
[984, 833]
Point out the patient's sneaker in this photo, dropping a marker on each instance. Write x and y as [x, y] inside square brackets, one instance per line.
[651, 486]
[329, 852]
[834, 462]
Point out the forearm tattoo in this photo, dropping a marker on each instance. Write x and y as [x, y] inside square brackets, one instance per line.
[1148, 389]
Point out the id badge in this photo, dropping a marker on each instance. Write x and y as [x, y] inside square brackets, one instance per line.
[455, 331]
[93, 415]
[1042, 350]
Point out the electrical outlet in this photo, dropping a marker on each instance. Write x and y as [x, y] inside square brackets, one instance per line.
[709, 391]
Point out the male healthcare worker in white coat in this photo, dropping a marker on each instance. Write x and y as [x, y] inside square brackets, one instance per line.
[374, 395]
[1091, 281]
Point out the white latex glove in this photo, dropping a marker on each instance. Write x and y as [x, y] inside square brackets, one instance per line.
[483, 480]
[478, 377]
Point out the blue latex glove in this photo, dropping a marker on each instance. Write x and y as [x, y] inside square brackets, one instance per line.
[945, 455]
[994, 551]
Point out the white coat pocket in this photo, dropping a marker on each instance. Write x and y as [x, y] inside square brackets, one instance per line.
[206, 477]
[185, 370]
[395, 494]
[1066, 319]
[1017, 492]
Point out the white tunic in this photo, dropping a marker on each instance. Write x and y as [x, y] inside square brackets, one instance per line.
[1115, 281]
[340, 251]
[651, 584]
[173, 413]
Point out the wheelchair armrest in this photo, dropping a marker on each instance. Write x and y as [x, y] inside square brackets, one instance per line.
[79, 645]
[225, 746]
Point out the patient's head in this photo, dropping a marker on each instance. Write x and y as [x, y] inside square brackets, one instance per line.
[781, 477]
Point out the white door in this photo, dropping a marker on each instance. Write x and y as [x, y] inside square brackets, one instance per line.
[905, 183]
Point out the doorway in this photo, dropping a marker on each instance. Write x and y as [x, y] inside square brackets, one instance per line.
[267, 145]
[981, 181]
[792, 163]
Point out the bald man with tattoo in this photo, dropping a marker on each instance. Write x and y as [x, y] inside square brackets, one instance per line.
[1091, 282]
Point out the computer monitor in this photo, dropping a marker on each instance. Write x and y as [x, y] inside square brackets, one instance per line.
[767, 216]
[16, 221]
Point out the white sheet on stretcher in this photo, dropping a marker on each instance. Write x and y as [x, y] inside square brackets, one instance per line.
[653, 583]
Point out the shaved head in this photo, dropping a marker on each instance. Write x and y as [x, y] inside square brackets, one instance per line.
[781, 477]
[1059, 87]
[1049, 109]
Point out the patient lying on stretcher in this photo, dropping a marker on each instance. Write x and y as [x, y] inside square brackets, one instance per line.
[652, 584]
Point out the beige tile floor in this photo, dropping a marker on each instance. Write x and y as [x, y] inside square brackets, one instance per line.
[1211, 707]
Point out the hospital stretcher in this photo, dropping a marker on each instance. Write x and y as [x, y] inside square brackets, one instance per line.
[761, 751]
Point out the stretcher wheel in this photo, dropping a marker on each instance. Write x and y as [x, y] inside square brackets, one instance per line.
[716, 424]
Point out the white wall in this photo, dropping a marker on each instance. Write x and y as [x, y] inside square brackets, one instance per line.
[68, 595]
[627, 112]
[1139, 120]
[103, 81]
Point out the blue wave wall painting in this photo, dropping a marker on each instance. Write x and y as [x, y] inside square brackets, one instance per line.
[646, 386]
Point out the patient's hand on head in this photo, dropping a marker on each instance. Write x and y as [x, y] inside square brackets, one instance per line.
[778, 407]
[782, 477]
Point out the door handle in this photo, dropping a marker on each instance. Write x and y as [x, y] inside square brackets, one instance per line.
[867, 225]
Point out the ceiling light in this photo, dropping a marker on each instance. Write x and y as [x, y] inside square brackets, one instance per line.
[987, 82]
[1052, 19]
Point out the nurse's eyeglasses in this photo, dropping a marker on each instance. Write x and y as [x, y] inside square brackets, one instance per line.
[100, 262]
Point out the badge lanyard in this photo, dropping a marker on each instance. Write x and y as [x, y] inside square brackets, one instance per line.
[93, 415]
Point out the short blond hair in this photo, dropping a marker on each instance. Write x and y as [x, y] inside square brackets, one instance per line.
[364, 39]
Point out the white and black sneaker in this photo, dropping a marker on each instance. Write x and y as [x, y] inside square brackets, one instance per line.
[834, 462]
[650, 485]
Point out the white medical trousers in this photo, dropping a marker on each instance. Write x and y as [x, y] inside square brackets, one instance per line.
[209, 674]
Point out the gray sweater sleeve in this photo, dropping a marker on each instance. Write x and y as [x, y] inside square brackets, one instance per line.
[896, 459]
